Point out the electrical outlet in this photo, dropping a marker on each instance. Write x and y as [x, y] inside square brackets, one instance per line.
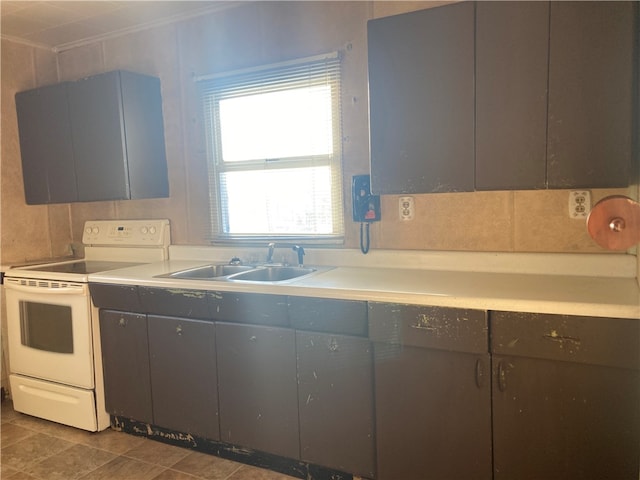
[579, 203]
[406, 208]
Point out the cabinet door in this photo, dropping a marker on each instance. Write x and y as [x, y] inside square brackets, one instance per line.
[559, 420]
[335, 398]
[566, 396]
[512, 41]
[183, 375]
[95, 106]
[125, 357]
[258, 388]
[144, 134]
[433, 414]
[421, 101]
[591, 96]
[48, 167]
[432, 392]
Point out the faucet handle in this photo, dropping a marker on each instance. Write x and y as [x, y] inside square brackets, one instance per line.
[300, 251]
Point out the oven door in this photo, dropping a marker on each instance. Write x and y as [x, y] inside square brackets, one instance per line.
[49, 330]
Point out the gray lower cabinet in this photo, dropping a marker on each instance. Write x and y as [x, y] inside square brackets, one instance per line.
[432, 392]
[566, 397]
[335, 399]
[383, 390]
[258, 388]
[335, 383]
[161, 370]
[125, 354]
[184, 380]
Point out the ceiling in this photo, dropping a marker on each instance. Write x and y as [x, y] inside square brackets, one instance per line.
[60, 25]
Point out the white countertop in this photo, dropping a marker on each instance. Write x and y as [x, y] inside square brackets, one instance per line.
[584, 294]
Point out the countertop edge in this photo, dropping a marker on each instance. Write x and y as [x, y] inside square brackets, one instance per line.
[569, 295]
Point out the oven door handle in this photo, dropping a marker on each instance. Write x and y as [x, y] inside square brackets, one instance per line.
[76, 289]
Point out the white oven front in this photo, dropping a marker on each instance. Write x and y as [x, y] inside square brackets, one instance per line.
[50, 332]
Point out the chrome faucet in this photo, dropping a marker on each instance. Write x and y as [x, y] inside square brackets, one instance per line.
[296, 248]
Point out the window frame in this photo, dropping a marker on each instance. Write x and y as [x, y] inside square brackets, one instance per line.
[278, 76]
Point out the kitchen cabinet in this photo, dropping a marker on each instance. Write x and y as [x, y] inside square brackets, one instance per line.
[432, 392]
[98, 138]
[258, 388]
[592, 94]
[566, 396]
[184, 383]
[335, 384]
[254, 308]
[175, 302]
[125, 355]
[161, 370]
[48, 169]
[555, 97]
[421, 100]
[511, 95]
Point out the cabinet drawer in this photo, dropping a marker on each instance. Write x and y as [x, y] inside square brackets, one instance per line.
[453, 329]
[328, 315]
[261, 309]
[612, 342]
[175, 302]
[116, 297]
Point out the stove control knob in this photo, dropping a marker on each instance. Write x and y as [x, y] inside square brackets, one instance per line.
[87, 230]
[152, 230]
[95, 230]
[144, 230]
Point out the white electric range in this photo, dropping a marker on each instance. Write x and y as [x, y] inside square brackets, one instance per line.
[53, 330]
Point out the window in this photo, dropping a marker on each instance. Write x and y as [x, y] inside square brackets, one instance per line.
[274, 138]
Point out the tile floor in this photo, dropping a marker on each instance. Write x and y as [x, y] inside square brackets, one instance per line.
[35, 449]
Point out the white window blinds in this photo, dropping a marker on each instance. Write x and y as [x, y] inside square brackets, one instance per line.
[274, 138]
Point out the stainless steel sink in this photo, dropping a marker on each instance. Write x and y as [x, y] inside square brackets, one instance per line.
[272, 274]
[208, 272]
[243, 273]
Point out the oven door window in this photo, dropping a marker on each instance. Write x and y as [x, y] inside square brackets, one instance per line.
[46, 327]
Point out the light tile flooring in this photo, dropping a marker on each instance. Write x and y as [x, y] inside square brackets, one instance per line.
[35, 449]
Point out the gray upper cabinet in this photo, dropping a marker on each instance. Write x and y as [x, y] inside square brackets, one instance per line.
[591, 93]
[554, 96]
[511, 94]
[421, 100]
[99, 138]
[48, 168]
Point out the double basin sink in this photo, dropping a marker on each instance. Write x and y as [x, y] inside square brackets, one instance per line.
[243, 273]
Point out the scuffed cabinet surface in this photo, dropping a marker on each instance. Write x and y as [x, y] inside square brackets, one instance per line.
[335, 398]
[258, 388]
[454, 329]
[592, 340]
[184, 375]
[566, 396]
[432, 392]
[125, 354]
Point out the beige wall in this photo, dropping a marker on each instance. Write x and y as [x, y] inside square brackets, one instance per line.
[248, 35]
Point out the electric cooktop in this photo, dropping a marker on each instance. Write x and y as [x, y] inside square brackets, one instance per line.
[84, 267]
